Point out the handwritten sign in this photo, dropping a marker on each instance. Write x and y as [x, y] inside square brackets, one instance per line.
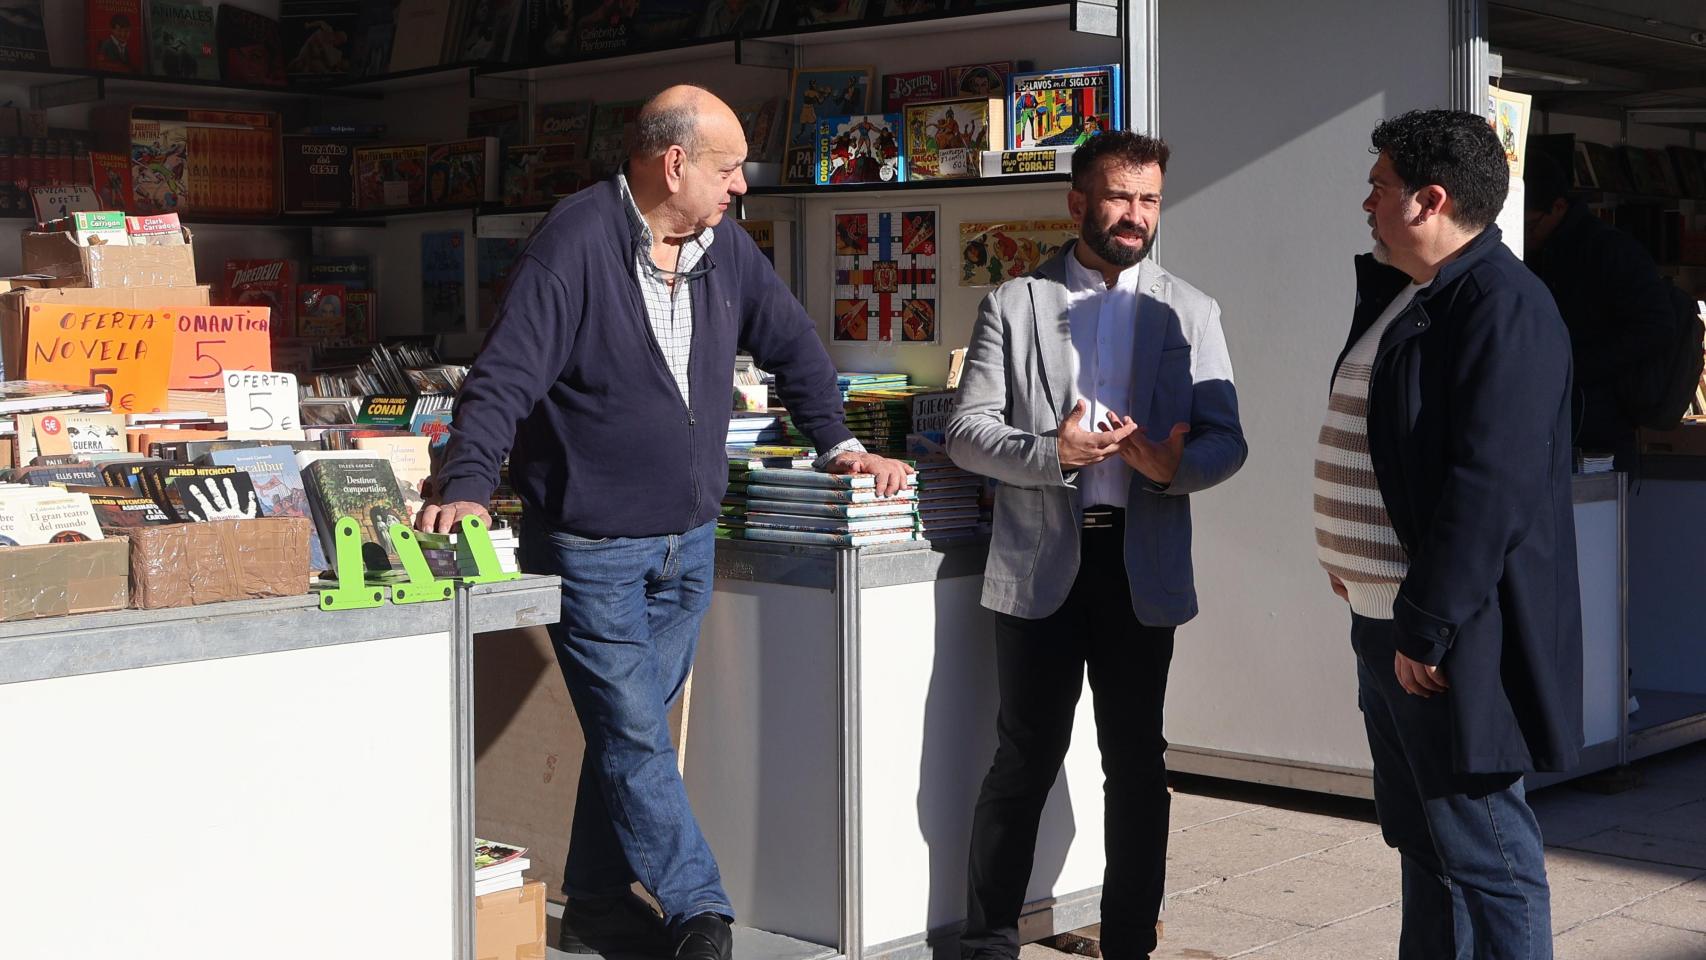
[211, 340]
[262, 405]
[126, 351]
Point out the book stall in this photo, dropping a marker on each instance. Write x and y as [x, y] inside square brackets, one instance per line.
[260, 242]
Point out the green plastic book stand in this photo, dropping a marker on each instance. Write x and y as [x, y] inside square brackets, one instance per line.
[352, 591]
[421, 586]
[475, 544]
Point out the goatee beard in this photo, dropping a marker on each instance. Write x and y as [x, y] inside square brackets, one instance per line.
[1101, 243]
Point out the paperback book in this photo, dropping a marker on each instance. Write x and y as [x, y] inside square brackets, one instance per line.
[114, 36]
[277, 482]
[365, 490]
[181, 41]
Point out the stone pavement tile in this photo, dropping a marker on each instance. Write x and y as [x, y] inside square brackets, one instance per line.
[1372, 936]
[1683, 765]
[1185, 875]
[1683, 907]
[1228, 848]
[1036, 951]
[1687, 822]
[1343, 828]
[1302, 891]
[1567, 814]
[1620, 938]
[1369, 853]
[1586, 886]
[1643, 846]
[1191, 809]
[1197, 931]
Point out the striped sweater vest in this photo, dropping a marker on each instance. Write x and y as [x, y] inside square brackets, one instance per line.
[1354, 538]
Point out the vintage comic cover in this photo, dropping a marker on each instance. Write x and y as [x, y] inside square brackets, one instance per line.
[980, 79]
[1062, 108]
[865, 148]
[946, 139]
[818, 93]
[612, 135]
[110, 176]
[900, 89]
[569, 121]
[763, 121]
[114, 39]
[159, 165]
[886, 276]
[393, 176]
[457, 172]
[994, 252]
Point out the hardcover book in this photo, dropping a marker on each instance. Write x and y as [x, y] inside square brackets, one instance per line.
[318, 175]
[980, 79]
[569, 122]
[1062, 108]
[160, 482]
[320, 38]
[537, 174]
[818, 93]
[320, 311]
[946, 139]
[411, 464]
[365, 490]
[361, 316]
[203, 498]
[119, 507]
[418, 34]
[864, 148]
[829, 539]
[785, 521]
[251, 47]
[391, 176]
[277, 480]
[862, 495]
[845, 511]
[462, 171]
[900, 89]
[267, 283]
[23, 33]
[113, 35]
[181, 41]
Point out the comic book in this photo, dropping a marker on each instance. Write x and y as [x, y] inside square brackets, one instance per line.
[1062, 108]
[864, 148]
[946, 138]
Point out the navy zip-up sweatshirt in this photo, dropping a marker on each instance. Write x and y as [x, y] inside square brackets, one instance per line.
[573, 379]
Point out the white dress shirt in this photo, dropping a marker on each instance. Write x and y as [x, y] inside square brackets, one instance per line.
[1104, 336]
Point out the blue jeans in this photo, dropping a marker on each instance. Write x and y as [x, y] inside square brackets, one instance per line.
[631, 613]
[1474, 866]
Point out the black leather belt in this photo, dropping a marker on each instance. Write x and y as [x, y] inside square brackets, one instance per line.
[1103, 517]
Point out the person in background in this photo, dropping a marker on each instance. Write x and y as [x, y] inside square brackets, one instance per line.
[609, 369]
[1444, 520]
[1617, 306]
[1098, 391]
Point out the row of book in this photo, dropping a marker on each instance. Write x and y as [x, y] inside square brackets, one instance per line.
[775, 495]
[1673, 171]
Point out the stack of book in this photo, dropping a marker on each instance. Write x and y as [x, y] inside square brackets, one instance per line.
[498, 866]
[731, 520]
[749, 429]
[947, 500]
[853, 382]
[804, 506]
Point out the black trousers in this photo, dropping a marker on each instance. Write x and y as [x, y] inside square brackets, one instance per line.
[1040, 667]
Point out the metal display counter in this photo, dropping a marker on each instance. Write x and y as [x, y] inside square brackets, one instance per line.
[257, 777]
[842, 721]
[1667, 661]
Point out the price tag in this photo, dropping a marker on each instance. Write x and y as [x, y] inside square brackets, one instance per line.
[211, 340]
[260, 404]
[126, 351]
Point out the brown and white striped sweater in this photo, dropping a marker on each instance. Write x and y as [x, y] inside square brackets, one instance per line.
[1353, 535]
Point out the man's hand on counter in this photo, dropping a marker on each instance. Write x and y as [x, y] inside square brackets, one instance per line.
[890, 474]
[443, 517]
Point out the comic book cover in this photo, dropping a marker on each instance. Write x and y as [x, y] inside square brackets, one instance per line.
[320, 310]
[251, 48]
[159, 165]
[946, 139]
[612, 135]
[318, 176]
[23, 33]
[569, 122]
[763, 121]
[113, 35]
[886, 276]
[460, 171]
[900, 89]
[361, 316]
[110, 176]
[320, 38]
[267, 283]
[994, 252]
[489, 30]
[979, 79]
[811, 13]
[541, 173]
[393, 176]
[727, 18]
[817, 93]
[865, 148]
[181, 41]
[1062, 108]
[443, 281]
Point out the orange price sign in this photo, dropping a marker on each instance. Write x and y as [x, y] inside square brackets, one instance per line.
[212, 340]
[129, 352]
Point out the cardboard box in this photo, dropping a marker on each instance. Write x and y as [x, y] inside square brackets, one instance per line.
[510, 924]
[59, 579]
[530, 746]
[179, 564]
[58, 254]
[18, 294]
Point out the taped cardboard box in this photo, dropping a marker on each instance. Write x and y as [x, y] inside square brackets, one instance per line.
[18, 294]
[180, 564]
[510, 924]
[59, 579]
[57, 254]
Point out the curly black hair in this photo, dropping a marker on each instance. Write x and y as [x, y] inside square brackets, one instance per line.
[1126, 147]
[1455, 149]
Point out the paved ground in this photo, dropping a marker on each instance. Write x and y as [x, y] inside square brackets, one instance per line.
[1281, 875]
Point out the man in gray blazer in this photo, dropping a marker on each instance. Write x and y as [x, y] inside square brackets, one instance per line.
[1098, 391]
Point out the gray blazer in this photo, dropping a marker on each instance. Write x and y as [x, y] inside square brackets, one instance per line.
[1017, 386]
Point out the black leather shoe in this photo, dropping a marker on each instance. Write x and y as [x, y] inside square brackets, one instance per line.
[621, 924]
[704, 937]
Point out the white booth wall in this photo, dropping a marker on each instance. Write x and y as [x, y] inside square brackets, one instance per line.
[1263, 212]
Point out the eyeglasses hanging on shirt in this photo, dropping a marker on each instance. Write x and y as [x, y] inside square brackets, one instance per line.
[703, 266]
